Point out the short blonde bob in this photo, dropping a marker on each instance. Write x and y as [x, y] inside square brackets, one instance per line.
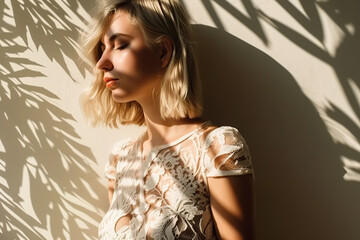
[180, 91]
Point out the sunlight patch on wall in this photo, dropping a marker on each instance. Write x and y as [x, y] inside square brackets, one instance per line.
[352, 168]
[356, 90]
[333, 34]
[25, 190]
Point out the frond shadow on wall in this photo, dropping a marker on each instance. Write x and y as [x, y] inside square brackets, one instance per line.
[251, 20]
[51, 27]
[345, 15]
[345, 61]
[299, 172]
[42, 156]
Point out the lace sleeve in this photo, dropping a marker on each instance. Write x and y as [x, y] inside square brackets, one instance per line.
[110, 166]
[226, 153]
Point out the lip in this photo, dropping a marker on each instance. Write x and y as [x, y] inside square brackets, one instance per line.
[109, 81]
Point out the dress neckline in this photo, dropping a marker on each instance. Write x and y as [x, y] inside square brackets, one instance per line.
[176, 141]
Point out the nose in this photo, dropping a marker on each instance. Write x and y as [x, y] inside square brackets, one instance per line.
[104, 63]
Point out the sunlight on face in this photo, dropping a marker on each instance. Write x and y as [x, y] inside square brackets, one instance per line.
[130, 67]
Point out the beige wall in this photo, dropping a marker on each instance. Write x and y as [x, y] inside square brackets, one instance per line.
[286, 73]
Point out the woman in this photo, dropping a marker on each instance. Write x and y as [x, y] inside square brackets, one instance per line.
[183, 178]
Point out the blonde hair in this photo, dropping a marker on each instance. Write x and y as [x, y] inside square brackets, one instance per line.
[180, 85]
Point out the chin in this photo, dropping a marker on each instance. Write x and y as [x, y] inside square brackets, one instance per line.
[121, 98]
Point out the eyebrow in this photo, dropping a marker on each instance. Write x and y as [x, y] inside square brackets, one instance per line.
[115, 36]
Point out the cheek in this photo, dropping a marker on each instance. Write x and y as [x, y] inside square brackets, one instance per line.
[138, 66]
[147, 64]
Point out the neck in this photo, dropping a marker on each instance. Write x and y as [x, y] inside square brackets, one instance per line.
[162, 131]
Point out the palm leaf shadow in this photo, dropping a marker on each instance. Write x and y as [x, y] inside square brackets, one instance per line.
[45, 22]
[303, 187]
[346, 60]
[40, 147]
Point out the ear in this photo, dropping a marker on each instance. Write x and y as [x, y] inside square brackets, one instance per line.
[166, 51]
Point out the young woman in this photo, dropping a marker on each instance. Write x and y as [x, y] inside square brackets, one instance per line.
[183, 178]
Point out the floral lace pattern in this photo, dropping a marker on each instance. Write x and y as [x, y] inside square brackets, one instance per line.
[166, 195]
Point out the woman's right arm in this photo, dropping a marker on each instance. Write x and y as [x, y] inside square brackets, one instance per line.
[110, 167]
[110, 175]
[111, 187]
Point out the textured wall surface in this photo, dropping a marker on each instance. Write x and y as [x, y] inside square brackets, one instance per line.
[285, 73]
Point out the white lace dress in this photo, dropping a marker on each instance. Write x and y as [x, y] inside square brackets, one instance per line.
[166, 196]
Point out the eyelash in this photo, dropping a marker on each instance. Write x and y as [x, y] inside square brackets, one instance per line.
[122, 47]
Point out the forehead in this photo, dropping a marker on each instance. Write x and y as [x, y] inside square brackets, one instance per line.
[120, 23]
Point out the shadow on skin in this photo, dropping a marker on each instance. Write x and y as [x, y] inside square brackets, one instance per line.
[241, 219]
[300, 191]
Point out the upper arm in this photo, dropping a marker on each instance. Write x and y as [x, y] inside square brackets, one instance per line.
[232, 206]
[110, 174]
[110, 168]
[229, 172]
[111, 187]
[118, 151]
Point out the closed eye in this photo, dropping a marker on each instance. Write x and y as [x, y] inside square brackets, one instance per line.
[122, 47]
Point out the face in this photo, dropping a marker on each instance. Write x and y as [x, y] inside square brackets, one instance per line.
[130, 67]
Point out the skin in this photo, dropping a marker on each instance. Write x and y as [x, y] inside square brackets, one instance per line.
[127, 60]
[135, 69]
[231, 200]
